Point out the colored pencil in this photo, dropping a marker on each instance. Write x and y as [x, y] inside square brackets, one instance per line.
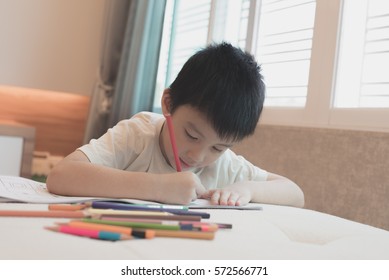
[96, 234]
[126, 206]
[169, 233]
[81, 224]
[219, 225]
[118, 229]
[185, 234]
[195, 224]
[143, 233]
[173, 141]
[126, 212]
[43, 214]
[167, 217]
[66, 207]
[139, 225]
[203, 215]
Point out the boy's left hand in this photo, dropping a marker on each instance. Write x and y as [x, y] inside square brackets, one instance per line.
[231, 195]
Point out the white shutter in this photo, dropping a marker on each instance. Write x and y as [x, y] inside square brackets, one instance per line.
[190, 26]
[363, 62]
[185, 31]
[284, 49]
[189, 32]
[230, 21]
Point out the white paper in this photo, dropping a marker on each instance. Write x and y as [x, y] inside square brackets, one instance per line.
[206, 204]
[19, 189]
[26, 190]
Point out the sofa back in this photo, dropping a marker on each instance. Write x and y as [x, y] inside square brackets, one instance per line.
[341, 172]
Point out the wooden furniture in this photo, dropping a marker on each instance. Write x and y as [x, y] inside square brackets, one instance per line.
[59, 118]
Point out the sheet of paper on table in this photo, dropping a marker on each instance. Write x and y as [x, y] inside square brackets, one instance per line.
[19, 189]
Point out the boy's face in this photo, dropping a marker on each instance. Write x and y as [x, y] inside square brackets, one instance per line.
[197, 142]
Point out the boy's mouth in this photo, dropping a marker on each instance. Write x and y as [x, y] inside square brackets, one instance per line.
[185, 164]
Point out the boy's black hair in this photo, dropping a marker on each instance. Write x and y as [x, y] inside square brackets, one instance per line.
[225, 84]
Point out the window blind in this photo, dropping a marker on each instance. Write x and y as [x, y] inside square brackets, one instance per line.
[189, 32]
[190, 26]
[375, 75]
[185, 31]
[363, 62]
[284, 49]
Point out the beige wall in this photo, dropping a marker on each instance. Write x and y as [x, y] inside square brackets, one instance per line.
[51, 44]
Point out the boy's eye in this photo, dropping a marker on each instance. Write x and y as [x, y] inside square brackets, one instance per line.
[190, 135]
[218, 149]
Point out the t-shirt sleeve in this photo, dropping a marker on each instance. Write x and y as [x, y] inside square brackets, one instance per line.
[118, 147]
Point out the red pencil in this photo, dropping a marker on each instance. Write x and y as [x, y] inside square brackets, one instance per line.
[173, 141]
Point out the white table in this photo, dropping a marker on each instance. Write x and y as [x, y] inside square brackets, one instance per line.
[274, 233]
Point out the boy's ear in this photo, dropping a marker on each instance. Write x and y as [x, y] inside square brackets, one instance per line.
[165, 102]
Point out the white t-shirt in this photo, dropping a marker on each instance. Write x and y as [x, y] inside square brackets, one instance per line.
[133, 145]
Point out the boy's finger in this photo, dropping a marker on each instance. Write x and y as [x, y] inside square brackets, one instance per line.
[215, 198]
[224, 197]
[205, 195]
[201, 191]
[233, 199]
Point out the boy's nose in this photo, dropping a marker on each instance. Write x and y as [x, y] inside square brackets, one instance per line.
[196, 156]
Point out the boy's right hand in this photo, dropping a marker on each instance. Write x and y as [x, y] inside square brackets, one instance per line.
[181, 188]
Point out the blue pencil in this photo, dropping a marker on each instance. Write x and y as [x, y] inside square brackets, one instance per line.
[127, 206]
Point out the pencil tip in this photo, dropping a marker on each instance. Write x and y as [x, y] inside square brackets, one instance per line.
[52, 228]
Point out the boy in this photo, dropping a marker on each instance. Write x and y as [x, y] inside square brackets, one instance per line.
[214, 102]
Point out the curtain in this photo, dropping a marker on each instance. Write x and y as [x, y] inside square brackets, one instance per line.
[129, 63]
